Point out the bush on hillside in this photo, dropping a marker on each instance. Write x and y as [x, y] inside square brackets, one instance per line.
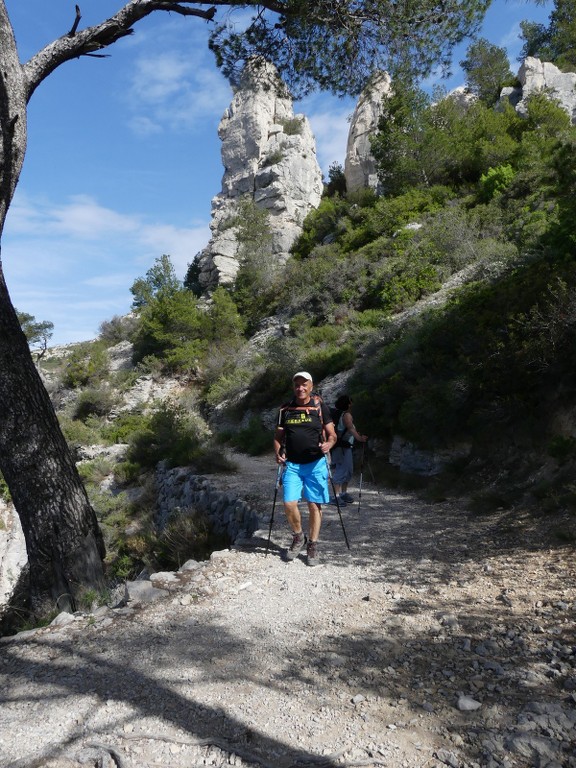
[118, 329]
[93, 402]
[187, 536]
[87, 365]
[170, 434]
[254, 439]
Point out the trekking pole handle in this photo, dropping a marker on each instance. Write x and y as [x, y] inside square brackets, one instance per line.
[279, 474]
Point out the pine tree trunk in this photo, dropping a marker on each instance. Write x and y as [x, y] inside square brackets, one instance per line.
[64, 544]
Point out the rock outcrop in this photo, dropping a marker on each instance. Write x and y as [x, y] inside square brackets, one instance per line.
[13, 557]
[360, 167]
[534, 76]
[269, 156]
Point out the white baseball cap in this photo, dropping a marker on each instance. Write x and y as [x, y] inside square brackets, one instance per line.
[302, 375]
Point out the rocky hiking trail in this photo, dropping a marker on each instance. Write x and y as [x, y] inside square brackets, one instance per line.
[440, 638]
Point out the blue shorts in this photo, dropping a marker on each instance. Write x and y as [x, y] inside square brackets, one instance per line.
[312, 478]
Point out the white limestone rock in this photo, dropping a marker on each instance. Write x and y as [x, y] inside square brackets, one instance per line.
[360, 166]
[534, 76]
[269, 156]
[13, 557]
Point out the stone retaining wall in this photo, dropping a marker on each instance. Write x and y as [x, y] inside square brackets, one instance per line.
[179, 489]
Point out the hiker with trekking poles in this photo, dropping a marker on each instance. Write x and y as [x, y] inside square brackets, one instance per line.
[342, 459]
[303, 439]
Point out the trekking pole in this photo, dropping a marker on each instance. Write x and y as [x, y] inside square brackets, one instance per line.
[278, 484]
[336, 500]
[370, 470]
[361, 475]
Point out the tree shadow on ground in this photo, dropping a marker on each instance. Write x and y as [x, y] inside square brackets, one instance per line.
[152, 683]
[398, 665]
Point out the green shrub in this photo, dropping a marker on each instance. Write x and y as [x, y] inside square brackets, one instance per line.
[93, 402]
[121, 567]
[371, 318]
[123, 426]
[210, 459]
[95, 471]
[118, 329]
[405, 289]
[254, 439]
[319, 224]
[131, 554]
[490, 501]
[4, 492]
[562, 448]
[112, 510]
[292, 125]
[80, 432]
[336, 181]
[273, 158]
[495, 181]
[91, 599]
[186, 536]
[86, 365]
[127, 472]
[227, 385]
[330, 360]
[124, 380]
[168, 322]
[169, 435]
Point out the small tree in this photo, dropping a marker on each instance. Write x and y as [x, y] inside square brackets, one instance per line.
[487, 70]
[160, 281]
[254, 291]
[396, 145]
[336, 181]
[192, 277]
[38, 334]
[557, 41]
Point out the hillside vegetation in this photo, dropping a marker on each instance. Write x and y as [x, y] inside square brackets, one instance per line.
[450, 297]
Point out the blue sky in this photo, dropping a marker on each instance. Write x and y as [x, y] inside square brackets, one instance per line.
[123, 157]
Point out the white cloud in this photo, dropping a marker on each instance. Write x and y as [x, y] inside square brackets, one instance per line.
[173, 83]
[80, 217]
[330, 121]
[83, 217]
[143, 125]
[181, 244]
[73, 262]
[158, 78]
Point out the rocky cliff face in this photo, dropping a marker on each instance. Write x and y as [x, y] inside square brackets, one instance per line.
[360, 167]
[269, 156]
[13, 556]
[535, 75]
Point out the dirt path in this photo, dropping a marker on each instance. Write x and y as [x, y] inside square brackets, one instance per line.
[439, 638]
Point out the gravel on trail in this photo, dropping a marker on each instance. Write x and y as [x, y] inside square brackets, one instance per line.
[440, 638]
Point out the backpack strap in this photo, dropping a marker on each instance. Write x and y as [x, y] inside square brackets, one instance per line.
[314, 404]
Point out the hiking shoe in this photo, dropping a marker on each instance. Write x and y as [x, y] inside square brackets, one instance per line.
[312, 553]
[339, 501]
[346, 498]
[298, 544]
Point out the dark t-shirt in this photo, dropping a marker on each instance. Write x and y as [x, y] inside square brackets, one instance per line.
[302, 427]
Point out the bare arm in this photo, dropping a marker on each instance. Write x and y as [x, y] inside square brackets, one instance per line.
[279, 445]
[330, 438]
[349, 424]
